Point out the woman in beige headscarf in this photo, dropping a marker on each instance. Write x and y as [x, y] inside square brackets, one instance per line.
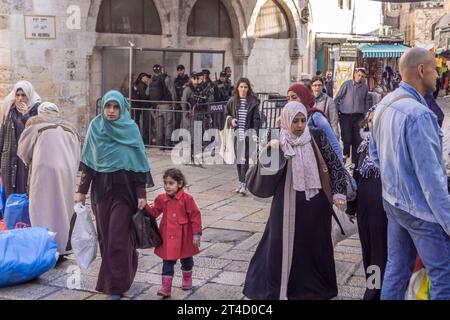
[50, 147]
[294, 259]
[17, 107]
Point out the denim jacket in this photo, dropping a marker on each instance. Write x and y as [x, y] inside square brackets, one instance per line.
[408, 149]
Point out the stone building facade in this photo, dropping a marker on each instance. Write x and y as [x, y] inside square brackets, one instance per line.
[414, 20]
[264, 40]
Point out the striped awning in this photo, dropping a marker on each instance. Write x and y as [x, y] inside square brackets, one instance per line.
[382, 50]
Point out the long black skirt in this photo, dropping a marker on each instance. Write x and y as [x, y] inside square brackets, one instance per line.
[372, 228]
[313, 274]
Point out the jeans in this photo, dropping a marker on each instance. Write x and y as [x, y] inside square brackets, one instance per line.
[242, 151]
[168, 266]
[350, 127]
[407, 236]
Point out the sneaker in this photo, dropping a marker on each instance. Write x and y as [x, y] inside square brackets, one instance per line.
[243, 191]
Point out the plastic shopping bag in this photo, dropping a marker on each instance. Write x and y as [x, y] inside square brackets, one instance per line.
[419, 284]
[83, 238]
[26, 254]
[227, 144]
[16, 212]
[348, 227]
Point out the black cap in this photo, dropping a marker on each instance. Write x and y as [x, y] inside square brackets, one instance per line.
[157, 68]
[223, 74]
[206, 72]
[196, 74]
[180, 67]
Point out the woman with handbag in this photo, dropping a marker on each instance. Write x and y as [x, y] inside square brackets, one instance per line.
[294, 259]
[242, 112]
[115, 163]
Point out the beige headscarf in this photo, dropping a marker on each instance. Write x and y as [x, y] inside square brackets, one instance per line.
[305, 171]
[48, 113]
[10, 99]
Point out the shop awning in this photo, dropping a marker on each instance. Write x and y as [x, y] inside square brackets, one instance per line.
[382, 50]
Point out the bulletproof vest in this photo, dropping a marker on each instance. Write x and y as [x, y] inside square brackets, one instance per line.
[157, 89]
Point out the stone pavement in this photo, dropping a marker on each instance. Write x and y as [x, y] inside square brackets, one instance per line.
[232, 224]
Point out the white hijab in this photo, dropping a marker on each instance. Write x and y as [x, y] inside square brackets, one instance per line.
[305, 172]
[10, 99]
[48, 109]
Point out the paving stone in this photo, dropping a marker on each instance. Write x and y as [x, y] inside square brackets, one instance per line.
[216, 250]
[216, 291]
[66, 294]
[249, 242]
[87, 283]
[351, 292]
[27, 291]
[239, 255]
[349, 257]
[224, 236]
[136, 289]
[239, 225]
[150, 294]
[237, 266]
[357, 282]
[148, 262]
[260, 216]
[230, 278]
[344, 271]
[351, 243]
[348, 249]
[213, 263]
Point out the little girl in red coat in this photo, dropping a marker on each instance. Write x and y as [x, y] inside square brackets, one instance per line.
[180, 228]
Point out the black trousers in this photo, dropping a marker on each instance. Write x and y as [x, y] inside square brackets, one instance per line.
[350, 126]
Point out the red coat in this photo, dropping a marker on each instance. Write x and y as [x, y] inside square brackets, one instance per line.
[181, 220]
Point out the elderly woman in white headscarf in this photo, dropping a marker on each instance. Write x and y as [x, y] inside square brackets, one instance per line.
[50, 147]
[20, 104]
[294, 259]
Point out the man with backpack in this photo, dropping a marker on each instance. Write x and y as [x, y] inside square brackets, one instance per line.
[161, 88]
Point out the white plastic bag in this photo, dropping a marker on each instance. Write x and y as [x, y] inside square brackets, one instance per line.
[84, 237]
[227, 144]
[349, 228]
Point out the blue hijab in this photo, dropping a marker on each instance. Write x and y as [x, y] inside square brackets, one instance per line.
[114, 145]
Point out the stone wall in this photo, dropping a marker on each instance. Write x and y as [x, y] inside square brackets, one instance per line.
[69, 69]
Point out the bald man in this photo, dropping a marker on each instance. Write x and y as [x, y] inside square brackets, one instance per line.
[407, 146]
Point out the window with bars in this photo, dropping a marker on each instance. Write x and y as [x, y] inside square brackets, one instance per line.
[131, 16]
[209, 18]
[272, 22]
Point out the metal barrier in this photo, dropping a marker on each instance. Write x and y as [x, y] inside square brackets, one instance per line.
[270, 111]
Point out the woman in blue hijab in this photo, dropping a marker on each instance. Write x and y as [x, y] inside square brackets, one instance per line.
[114, 164]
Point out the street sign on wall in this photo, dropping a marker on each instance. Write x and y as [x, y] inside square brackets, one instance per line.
[349, 50]
[40, 27]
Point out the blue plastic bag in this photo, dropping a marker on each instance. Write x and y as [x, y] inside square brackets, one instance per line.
[26, 254]
[16, 212]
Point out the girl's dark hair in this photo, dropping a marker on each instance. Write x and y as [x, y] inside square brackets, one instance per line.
[140, 76]
[247, 82]
[176, 175]
[317, 78]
